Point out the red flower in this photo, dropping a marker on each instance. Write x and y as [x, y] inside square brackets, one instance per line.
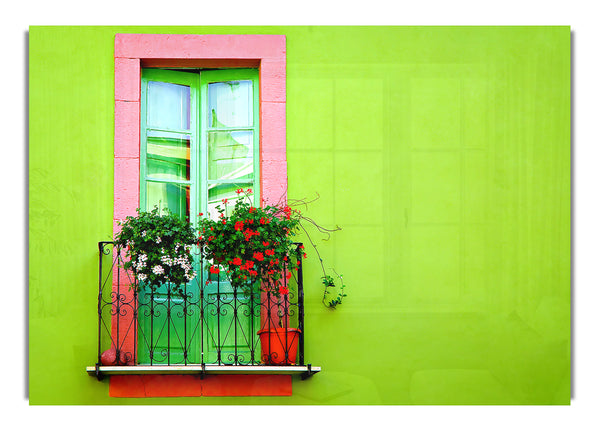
[248, 233]
[249, 191]
[213, 269]
[251, 210]
[224, 201]
[239, 225]
[252, 272]
[258, 256]
[265, 243]
[238, 191]
[283, 290]
[269, 252]
[249, 264]
[237, 261]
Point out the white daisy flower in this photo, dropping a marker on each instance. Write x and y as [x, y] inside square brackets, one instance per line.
[158, 270]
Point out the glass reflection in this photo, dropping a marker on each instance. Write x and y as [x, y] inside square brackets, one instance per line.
[218, 192]
[168, 106]
[230, 155]
[230, 104]
[168, 156]
[175, 197]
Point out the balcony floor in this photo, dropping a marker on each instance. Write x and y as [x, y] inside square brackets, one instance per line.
[305, 370]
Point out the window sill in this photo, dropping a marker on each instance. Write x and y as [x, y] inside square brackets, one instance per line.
[102, 370]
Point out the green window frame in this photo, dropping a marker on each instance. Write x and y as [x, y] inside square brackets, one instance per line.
[196, 183]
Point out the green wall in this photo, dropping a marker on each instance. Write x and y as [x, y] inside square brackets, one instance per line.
[442, 152]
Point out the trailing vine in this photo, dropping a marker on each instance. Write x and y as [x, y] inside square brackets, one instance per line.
[328, 281]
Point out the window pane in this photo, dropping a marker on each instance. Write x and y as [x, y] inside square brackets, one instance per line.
[168, 156]
[168, 105]
[230, 104]
[218, 192]
[230, 155]
[176, 197]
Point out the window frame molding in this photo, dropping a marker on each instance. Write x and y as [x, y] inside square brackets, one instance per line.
[134, 51]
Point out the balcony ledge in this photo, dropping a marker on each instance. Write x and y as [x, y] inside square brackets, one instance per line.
[106, 370]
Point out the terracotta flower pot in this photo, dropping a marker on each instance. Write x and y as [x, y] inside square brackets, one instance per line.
[279, 346]
[109, 357]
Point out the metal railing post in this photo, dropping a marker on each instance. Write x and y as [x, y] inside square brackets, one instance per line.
[300, 312]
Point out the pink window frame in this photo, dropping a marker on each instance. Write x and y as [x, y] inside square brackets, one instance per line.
[135, 51]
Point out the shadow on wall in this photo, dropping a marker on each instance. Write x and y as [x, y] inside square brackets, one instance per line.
[338, 388]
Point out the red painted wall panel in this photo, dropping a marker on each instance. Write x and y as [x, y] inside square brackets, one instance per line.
[141, 386]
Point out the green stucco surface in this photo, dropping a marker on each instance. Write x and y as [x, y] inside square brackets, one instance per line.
[443, 153]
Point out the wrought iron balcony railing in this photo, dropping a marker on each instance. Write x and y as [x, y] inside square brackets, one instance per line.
[204, 324]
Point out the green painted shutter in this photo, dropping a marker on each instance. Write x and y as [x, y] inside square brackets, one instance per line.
[229, 139]
[230, 135]
[169, 178]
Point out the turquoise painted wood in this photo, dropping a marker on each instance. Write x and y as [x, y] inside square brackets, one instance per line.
[229, 140]
[169, 141]
[199, 144]
[167, 329]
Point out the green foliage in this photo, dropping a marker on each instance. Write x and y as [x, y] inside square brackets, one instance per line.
[158, 248]
[329, 282]
[251, 244]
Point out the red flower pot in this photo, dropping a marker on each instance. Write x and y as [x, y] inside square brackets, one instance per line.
[279, 346]
[109, 357]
